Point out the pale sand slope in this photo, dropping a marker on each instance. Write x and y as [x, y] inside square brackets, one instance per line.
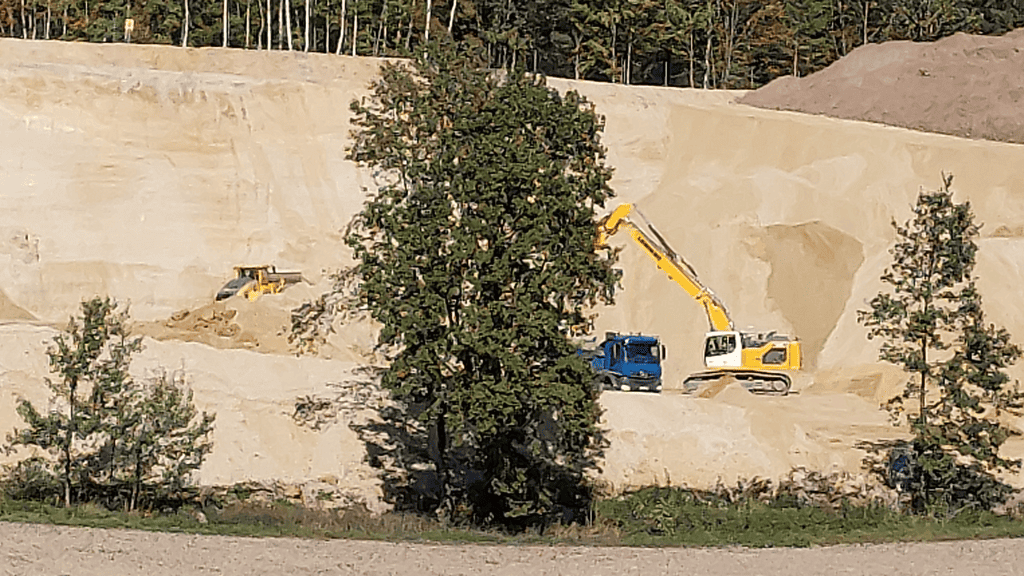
[147, 172]
[253, 395]
[33, 549]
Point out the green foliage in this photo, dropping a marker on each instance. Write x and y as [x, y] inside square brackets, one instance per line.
[107, 436]
[715, 44]
[931, 323]
[647, 517]
[685, 516]
[477, 257]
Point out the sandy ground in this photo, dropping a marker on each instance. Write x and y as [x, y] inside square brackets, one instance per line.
[27, 549]
[147, 172]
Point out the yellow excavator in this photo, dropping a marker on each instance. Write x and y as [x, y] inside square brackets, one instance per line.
[758, 360]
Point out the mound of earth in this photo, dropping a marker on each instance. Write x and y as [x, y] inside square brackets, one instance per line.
[219, 325]
[11, 311]
[964, 85]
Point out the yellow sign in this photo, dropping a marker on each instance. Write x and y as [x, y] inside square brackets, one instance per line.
[129, 25]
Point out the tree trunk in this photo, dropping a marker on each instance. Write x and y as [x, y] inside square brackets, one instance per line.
[380, 29]
[924, 361]
[707, 63]
[408, 35]
[270, 27]
[305, 39]
[280, 24]
[667, 60]
[341, 34]
[224, 25]
[426, 27]
[184, 33]
[327, 29]
[248, 31]
[443, 474]
[730, 46]
[355, 31]
[796, 59]
[867, 6]
[288, 22]
[615, 57]
[46, 33]
[691, 59]
[137, 480]
[451, 16]
[68, 439]
[629, 63]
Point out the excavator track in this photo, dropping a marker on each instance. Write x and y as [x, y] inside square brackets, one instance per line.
[761, 382]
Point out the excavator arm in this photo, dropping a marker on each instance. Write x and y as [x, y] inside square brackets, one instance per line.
[666, 259]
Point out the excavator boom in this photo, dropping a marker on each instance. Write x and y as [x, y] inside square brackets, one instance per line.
[668, 260]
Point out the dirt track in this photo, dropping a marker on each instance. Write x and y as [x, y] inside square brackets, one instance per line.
[50, 550]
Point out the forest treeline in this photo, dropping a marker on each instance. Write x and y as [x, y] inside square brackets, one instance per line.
[697, 43]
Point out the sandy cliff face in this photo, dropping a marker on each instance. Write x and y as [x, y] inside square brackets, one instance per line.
[145, 173]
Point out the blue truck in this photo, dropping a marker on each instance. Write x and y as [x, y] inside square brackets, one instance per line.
[628, 362]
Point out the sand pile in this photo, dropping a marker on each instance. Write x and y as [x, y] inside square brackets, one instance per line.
[264, 326]
[968, 86]
[11, 311]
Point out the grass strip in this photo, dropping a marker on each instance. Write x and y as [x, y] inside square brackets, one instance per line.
[646, 518]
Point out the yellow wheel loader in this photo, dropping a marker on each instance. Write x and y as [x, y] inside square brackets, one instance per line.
[254, 281]
[759, 361]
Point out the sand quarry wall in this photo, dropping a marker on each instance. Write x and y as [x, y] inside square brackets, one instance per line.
[145, 173]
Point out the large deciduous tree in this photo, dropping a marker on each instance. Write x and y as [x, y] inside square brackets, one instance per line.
[477, 256]
[931, 323]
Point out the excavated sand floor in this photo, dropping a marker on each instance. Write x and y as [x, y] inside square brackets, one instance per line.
[146, 173]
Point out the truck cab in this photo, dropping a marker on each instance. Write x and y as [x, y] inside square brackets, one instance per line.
[628, 362]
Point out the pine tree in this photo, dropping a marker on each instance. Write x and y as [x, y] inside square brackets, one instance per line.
[88, 365]
[477, 257]
[107, 436]
[933, 326]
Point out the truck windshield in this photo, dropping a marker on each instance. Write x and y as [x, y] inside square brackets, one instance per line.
[643, 353]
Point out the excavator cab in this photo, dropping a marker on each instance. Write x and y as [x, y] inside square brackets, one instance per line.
[723, 350]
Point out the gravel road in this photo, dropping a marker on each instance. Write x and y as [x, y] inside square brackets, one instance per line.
[31, 549]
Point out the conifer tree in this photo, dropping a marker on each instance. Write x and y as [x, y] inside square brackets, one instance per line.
[932, 324]
[90, 359]
[107, 436]
[477, 256]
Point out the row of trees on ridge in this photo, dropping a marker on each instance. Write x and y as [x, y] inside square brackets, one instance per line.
[696, 43]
